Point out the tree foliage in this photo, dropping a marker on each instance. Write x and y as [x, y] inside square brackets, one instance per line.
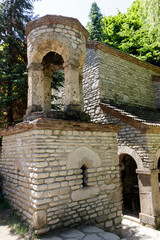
[14, 14]
[95, 24]
[56, 85]
[137, 32]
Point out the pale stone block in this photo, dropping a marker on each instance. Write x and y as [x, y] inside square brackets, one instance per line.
[38, 202]
[40, 187]
[110, 186]
[41, 175]
[54, 185]
[111, 215]
[60, 26]
[49, 180]
[41, 164]
[54, 174]
[64, 190]
[48, 132]
[58, 30]
[65, 196]
[49, 29]
[85, 193]
[51, 193]
[39, 219]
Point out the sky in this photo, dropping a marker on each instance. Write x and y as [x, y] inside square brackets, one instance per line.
[80, 8]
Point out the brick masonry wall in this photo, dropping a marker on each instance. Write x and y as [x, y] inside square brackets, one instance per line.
[91, 83]
[122, 81]
[38, 179]
[156, 85]
[133, 138]
[125, 82]
[153, 146]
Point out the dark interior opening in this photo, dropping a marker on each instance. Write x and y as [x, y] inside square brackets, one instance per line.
[84, 176]
[52, 65]
[130, 188]
[52, 58]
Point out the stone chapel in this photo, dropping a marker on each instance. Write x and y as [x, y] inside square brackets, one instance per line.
[100, 155]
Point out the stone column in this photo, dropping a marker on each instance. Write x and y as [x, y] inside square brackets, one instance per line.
[72, 86]
[34, 90]
[155, 196]
[149, 196]
[46, 91]
[81, 92]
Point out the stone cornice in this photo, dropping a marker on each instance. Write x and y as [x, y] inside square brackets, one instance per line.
[52, 124]
[56, 19]
[108, 49]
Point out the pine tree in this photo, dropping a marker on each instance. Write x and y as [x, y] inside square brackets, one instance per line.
[14, 14]
[95, 25]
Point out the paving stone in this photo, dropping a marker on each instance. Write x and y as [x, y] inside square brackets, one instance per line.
[92, 237]
[108, 236]
[52, 238]
[91, 229]
[72, 233]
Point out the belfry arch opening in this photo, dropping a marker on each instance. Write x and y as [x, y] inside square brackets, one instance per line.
[53, 80]
[129, 183]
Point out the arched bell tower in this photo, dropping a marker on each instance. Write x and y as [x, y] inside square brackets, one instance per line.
[54, 43]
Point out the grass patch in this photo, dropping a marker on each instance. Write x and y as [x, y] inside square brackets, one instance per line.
[10, 217]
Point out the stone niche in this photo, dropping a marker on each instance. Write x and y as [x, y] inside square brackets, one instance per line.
[55, 43]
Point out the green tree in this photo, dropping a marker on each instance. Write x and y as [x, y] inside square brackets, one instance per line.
[137, 32]
[14, 14]
[57, 85]
[95, 24]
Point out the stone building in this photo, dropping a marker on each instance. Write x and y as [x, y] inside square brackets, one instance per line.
[58, 168]
[58, 172]
[120, 89]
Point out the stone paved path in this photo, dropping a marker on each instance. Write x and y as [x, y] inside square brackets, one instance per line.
[83, 233]
[131, 230]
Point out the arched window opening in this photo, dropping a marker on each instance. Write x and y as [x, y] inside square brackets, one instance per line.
[53, 72]
[57, 90]
[52, 60]
[84, 176]
[158, 166]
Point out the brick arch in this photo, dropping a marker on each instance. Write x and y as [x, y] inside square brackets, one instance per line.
[127, 150]
[83, 155]
[48, 43]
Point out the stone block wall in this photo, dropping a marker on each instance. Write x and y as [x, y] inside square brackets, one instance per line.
[120, 77]
[55, 43]
[42, 173]
[125, 82]
[156, 85]
[91, 83]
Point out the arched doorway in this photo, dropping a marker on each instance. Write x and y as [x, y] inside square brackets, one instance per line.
[129, 183]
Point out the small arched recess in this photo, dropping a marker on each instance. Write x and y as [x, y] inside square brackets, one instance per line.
[83, 155]
[77, 159]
